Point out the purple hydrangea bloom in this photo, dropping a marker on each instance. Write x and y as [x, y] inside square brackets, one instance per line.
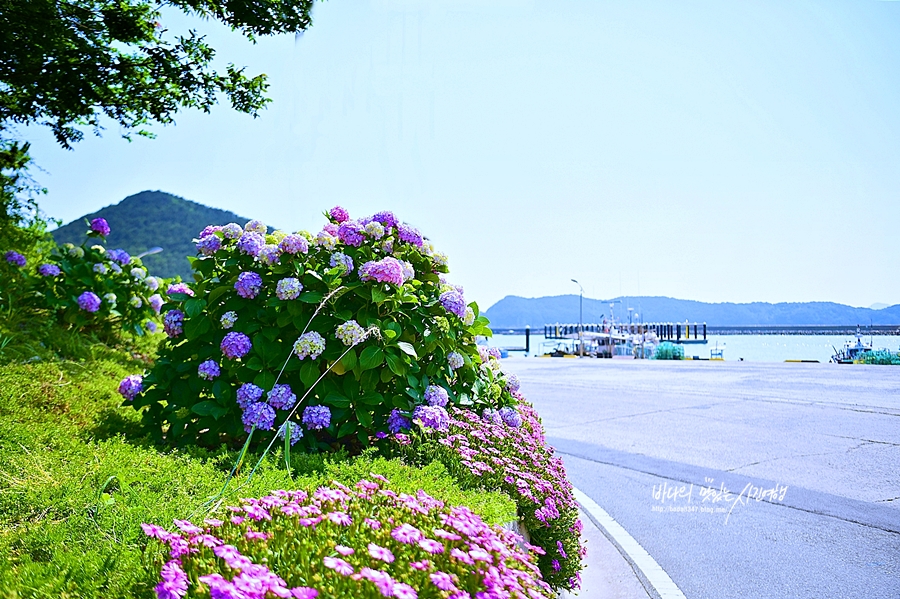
[49, 270]
[408, 272]
[156, 302]
[317, 417]
[294, 244]
[152, 283]
[248, 284]
[281, 397]
[100, 226]
[173, 323]
[288, 289]
[386, 270]
[180, 288]
[130, 386]
[512, 383]
[342, 260]
[232, 231]
[386, 218]
[454, 303]
[410, 235]
[351, 233]
[309, 344]
[511, 417]
[89, 301]
[495, 352]
[338, 214]
[436, 396]
[397, 422]
[269, 254]
[208, 230]
[15, 258]
[208, 370]
[235, 345]
[455, 360]
[247, 394]
[100, 268]
[259, 414]
[251, 243]
[350, 333]
[119, 255]
[296, 431]
[150, 326]
[331, 229]
[174, 583]
[434, 417]
[209, 245]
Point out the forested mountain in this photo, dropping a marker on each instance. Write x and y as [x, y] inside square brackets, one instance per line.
[516, 312]
[153, 218]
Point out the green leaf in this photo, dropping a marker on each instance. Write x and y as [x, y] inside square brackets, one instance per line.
[217, 293]
[346, 429]
[395, 363]
[266, 380]
[195, 327]
[311, 297]
[378, 296]
[209, 408]
[364, 416]
[349, 360]
[194, 306]
[337, 400]
[371, 357]
[255, 363]
[407, 348]
[309, 373]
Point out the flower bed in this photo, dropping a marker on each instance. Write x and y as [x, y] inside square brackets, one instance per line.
[342, 542]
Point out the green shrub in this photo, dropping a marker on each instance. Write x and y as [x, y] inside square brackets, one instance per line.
[352, 324]
[668, 351]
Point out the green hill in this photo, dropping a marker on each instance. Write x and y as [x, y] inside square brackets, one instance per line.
[153, 218]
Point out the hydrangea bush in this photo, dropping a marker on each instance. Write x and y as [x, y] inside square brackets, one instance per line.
[90, 287]
[356, 325]
[342, 542]
[505, 449]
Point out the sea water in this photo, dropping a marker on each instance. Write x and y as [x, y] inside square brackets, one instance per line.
[752, 348]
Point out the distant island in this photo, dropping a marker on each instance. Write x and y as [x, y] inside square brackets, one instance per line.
[513, 312]
[149, 219]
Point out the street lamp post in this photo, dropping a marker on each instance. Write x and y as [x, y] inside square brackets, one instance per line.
[150, 252]
[580, 319]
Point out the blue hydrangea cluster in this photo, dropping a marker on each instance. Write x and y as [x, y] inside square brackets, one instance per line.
[342, 260]
[173, 323]
[251, 243]
[209, 245]
[455, 360]
[208, 370]
[374, 229]
[248, 284]
[512, 383]
[100, 268]
[259, 414]
[15, 258]
[130, 386]
[269, 254]
[317, 417]
[281, 397]
[236, 345]
[511, 417]
[247, 394]
[434, 417]
[256, 226]
[492, 416]
[49, 270]
[296, 431]
[410, 235]
[111, 299]
[228, 319]
[397, 422]
[309, 344]
[119, 256]
[288, 289]
[436, 396]
[454, 303]
[351, 233]
[138, 273]
[89, 301]
[232, 231]
[135, 302]
[156, 302]
[350, 333]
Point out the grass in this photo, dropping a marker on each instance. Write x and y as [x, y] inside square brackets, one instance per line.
[77, 477]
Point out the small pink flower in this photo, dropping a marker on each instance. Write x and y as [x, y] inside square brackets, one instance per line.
[381, 553]
[338, 565]
[343, 550]
[431, 546]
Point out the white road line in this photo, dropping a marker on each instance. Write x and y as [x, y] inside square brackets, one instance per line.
[652, 572]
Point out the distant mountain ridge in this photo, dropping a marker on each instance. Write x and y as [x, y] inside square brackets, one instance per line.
[153, 218]
[516, 312]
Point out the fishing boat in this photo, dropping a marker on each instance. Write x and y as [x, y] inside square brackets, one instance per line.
[851, 351]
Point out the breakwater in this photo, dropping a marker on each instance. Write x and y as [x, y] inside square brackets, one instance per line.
[774, 329]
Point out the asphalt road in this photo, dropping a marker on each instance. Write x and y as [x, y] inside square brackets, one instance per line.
[679, 452]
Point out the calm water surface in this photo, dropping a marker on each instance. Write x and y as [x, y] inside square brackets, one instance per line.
[753, 348]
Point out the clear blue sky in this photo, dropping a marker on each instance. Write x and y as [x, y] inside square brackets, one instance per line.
[717, 151]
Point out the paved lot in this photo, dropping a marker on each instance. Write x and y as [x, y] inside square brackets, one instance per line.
[678, 451]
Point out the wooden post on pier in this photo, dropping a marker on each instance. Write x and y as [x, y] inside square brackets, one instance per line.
[527, 339]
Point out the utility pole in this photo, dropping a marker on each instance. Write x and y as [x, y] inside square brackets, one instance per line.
[580, 319]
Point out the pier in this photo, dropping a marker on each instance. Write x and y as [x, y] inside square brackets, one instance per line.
[676, 332]
[774, 329]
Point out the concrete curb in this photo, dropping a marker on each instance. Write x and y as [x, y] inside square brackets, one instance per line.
[654, 579]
